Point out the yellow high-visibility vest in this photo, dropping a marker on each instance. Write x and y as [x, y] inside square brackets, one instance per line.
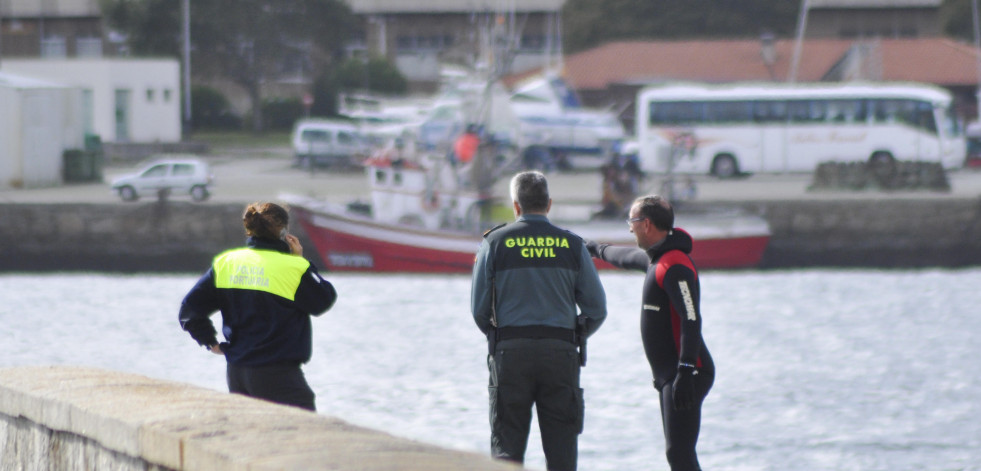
[260, 270]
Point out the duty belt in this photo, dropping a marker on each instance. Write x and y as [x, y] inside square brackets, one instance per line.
[536, 332]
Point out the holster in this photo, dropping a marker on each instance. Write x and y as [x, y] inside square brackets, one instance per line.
[491, 341]
[582, 329]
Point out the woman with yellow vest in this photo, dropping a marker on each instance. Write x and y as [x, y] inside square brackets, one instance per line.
[266, 293]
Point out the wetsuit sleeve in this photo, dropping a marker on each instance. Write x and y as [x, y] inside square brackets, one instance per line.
[590, 295]
[629, 258]
[315, 295]
[481, 289]
[197, 307]
[680, 285]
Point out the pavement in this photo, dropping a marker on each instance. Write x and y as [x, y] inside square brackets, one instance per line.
[246, 178]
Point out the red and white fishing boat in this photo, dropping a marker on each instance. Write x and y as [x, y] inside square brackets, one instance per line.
[409, 226]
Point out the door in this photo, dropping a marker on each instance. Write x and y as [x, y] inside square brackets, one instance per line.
[153, 179]
[122, 109]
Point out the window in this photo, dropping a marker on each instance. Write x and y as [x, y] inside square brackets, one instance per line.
[677, 112]
[770, 111]
[405, 43]
[804, 111]
[88, 111]
[54, 47]
[156, 171]
[183, 170]
[315, 135]
[88, 47]
[149, 95]
[728, 111]
[845, 111]
[532, 42]
[923, 117]
[345, 138]
[166, 95]
[428, 42]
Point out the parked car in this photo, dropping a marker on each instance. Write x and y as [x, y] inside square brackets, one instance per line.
[177, 176]
[323, 142]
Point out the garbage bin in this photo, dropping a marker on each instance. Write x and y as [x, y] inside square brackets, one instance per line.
[73, 165]
[81, 166]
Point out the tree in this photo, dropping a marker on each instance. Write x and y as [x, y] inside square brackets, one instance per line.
[152, 27]
[377, 75]
[245, 41]
[956, 16]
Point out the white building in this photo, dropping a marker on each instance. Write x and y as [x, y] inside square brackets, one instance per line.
[39, 120]
[122, 100]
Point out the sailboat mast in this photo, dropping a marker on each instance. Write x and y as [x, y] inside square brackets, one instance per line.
[798, 42]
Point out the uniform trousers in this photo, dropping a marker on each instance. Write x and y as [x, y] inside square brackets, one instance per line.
[282, 384]
[543, 373]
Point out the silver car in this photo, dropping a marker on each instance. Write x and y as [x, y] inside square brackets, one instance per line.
[167, 177]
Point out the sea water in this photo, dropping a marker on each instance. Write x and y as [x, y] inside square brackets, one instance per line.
[817, 369]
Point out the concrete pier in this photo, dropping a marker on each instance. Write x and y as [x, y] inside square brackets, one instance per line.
[55, 418]
[86, 227]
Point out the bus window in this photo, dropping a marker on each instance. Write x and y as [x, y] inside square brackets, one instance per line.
[770, 111]
[728, 111]
[804, 111]
[924, 117]
[846, 111]
[884, 111]
[951, 124]
[677, 112]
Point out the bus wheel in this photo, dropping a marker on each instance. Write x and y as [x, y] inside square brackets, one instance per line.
[883, 167]
[725, 166]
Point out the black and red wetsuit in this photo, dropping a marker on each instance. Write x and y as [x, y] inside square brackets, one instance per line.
[671, 329]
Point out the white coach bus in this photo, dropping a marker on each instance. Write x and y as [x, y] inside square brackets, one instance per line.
[772, 128]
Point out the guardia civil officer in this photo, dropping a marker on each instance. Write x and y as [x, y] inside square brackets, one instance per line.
[528, 279]
[266, 293]
[670, 323]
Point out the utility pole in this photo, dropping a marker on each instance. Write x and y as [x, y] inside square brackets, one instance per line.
[977, 52]
[186, 30]
[1, 32]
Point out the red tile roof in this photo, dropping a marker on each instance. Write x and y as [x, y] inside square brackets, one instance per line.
[933, 60]
[939, 61]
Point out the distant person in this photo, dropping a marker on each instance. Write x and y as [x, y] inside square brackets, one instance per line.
[621, 179]
[670, 323]
[466, 145]
[528, 279]
[266, 293]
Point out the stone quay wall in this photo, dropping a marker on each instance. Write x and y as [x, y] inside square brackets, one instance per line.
[61, 418]
[183, 236]
[872, 233]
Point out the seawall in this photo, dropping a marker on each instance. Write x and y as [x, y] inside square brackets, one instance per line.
[183, 237]
[73, 418]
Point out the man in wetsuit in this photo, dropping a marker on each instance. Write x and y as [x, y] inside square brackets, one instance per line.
[528, 279]
[670, 323]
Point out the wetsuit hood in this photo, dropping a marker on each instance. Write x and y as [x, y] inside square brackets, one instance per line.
[677, 239]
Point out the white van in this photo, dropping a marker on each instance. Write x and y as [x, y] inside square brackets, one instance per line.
[324, 142]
